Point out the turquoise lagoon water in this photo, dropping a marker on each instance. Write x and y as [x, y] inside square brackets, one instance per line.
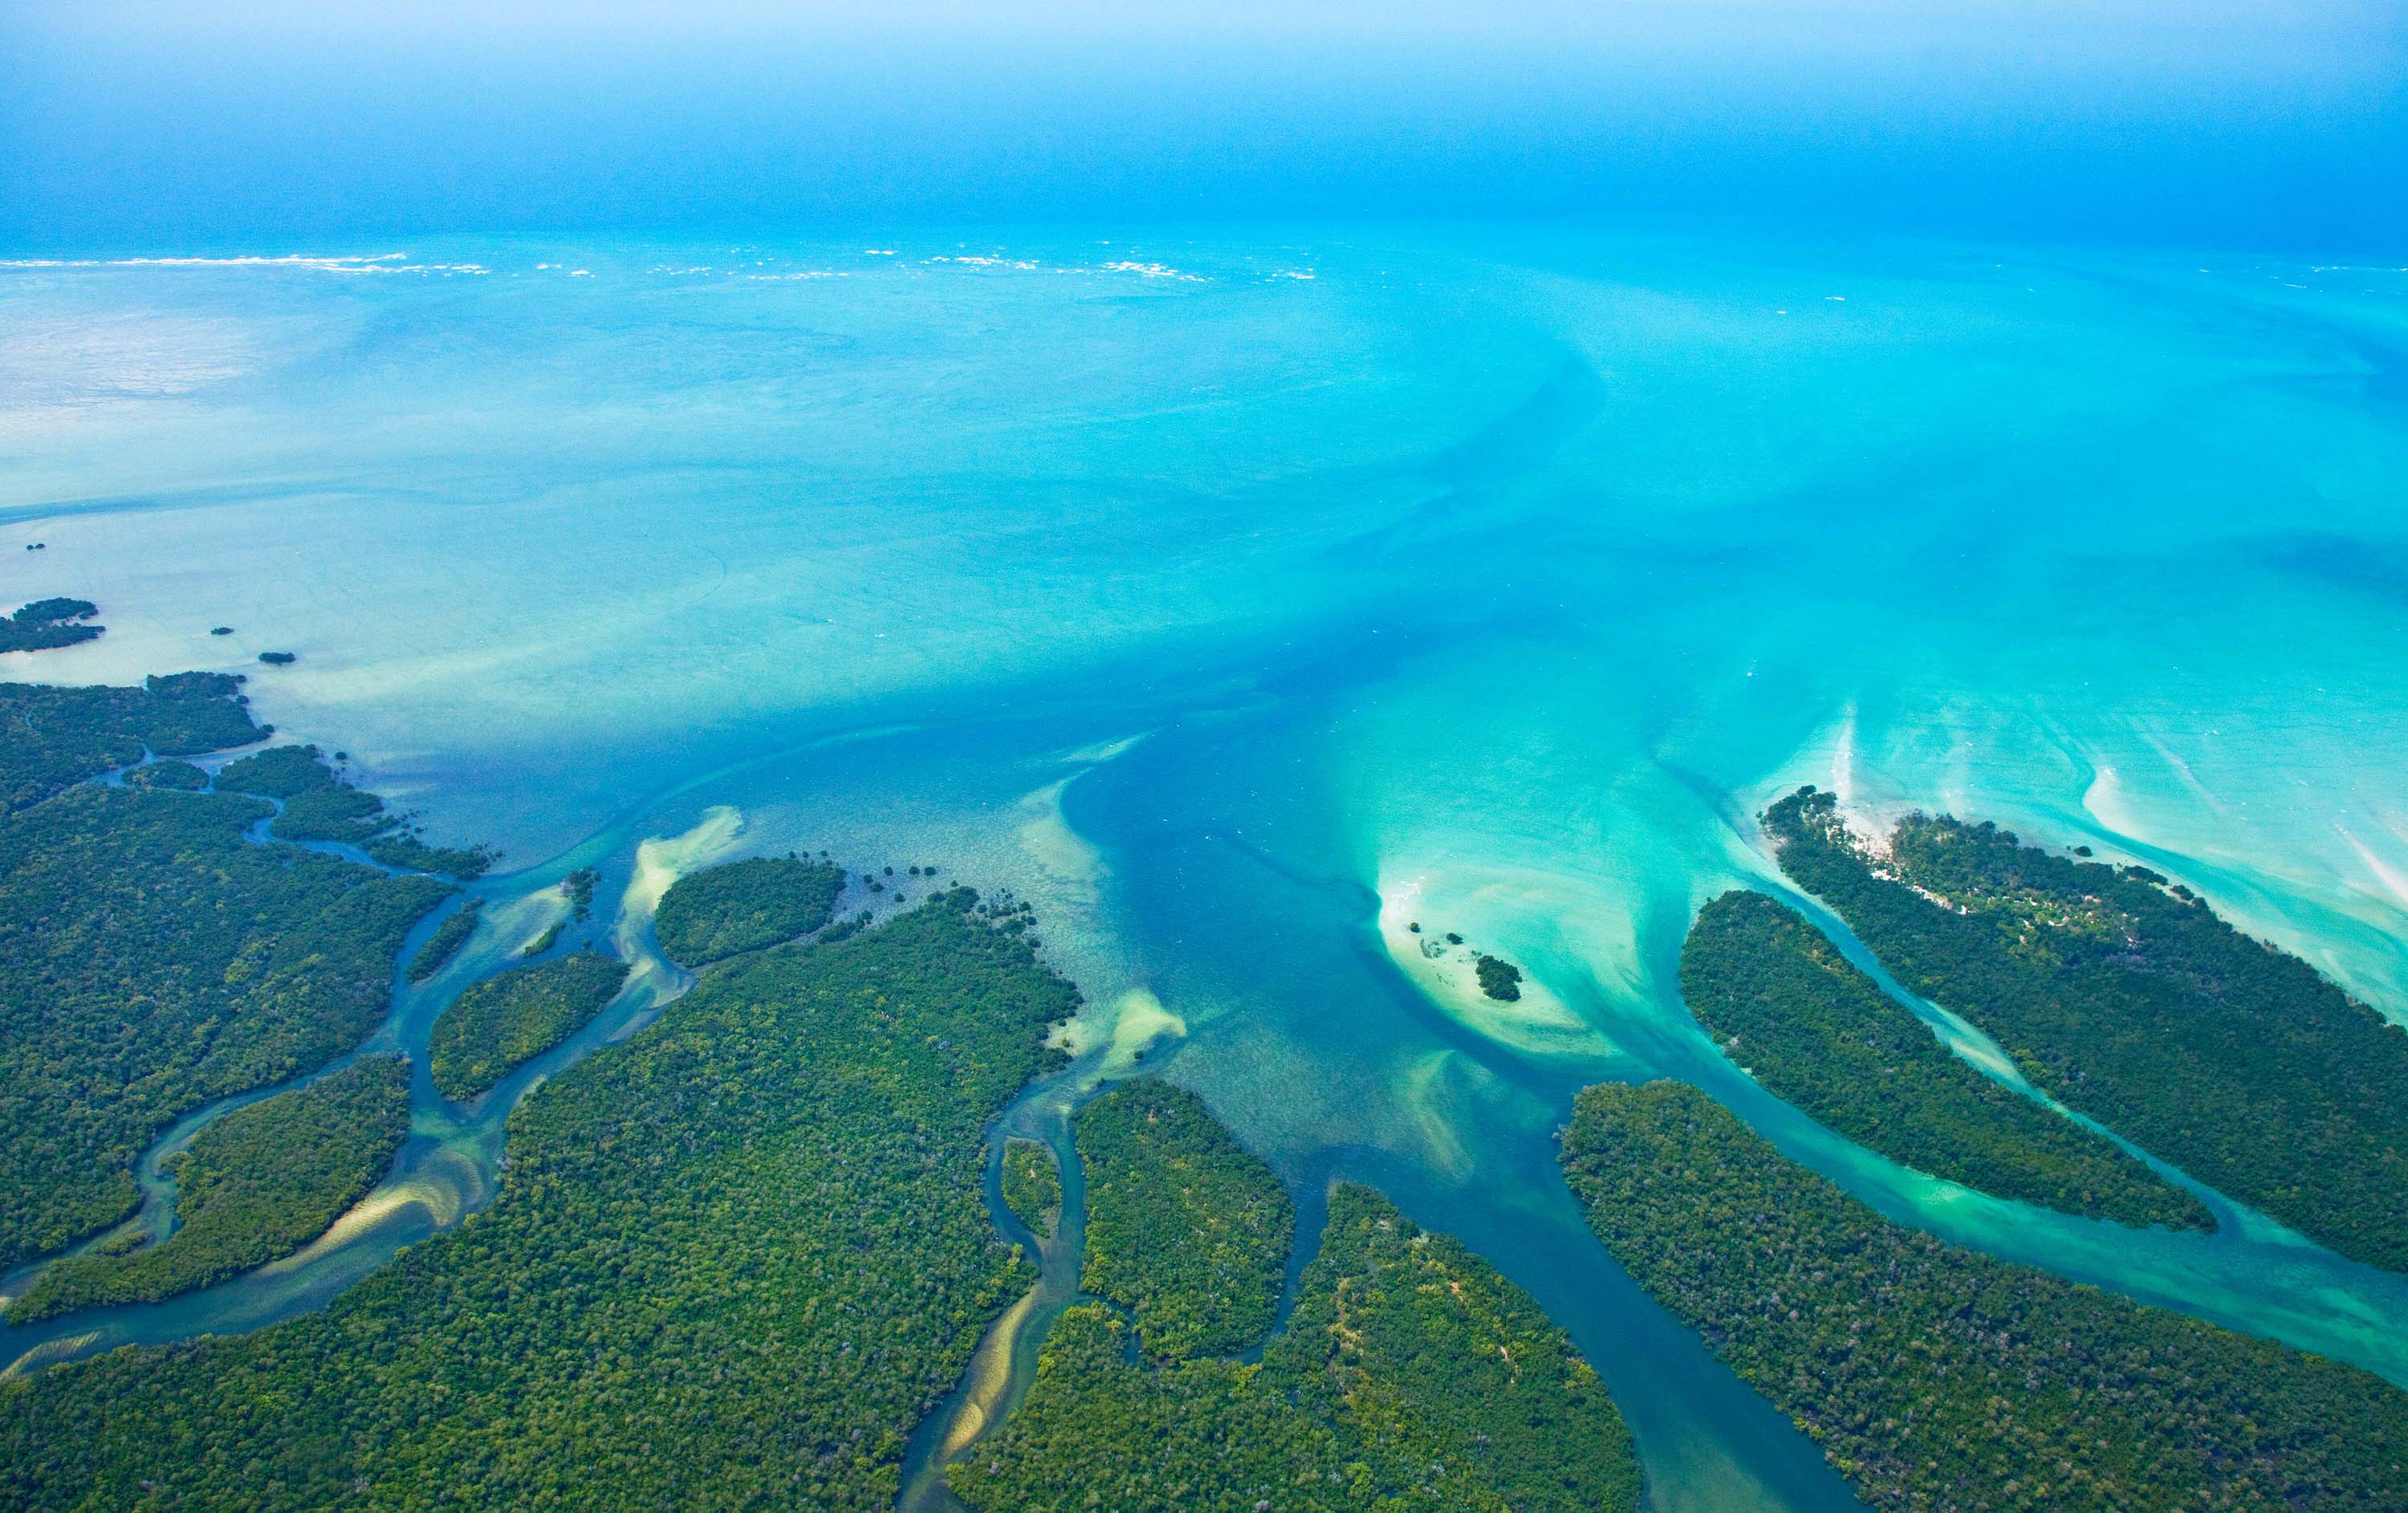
[1242, 598]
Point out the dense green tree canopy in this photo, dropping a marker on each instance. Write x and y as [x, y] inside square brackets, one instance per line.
[1032, 1189]
[1499, 978]
[47, 624]
[2131, 1002]
[1412, 1377]
[1938, 1377]
[720, 911]
[732, 1263]
[63, 735]
[257, 1183]
[516, 1014]
[152, 961]
[1820, 1034]
[445, 943]
[181, 777]
[1186, 1228]
[316, 805]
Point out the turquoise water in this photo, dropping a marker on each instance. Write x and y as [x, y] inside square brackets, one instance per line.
[1242, 597]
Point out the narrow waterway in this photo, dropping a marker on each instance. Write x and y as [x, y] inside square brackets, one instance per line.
[1005, 1363]
[450, 1164]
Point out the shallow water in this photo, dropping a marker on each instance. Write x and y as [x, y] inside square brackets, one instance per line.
[1489, 580]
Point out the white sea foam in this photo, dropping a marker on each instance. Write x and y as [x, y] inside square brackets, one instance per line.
[1153, 270]
[380, 263]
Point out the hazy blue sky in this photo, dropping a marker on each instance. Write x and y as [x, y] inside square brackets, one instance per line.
[210, 122]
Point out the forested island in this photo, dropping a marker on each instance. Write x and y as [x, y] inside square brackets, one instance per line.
[2131, 1001]
[1499, 978]
[47, 624]
[445, 943]
[256, 1184]
[1787, 1008]
[1938, 1377]
[578, 889]
[732, 1263]
[1187, 1229]
[723, 911]
[515, 1014]
[1411, 1375]
[580, 885]
[1032, 1189]
[153, 959]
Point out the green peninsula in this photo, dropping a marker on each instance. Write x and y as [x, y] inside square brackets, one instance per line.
[1938, 1377]
[59, 736]
[259, 1183]
[515, 1014]
[722, 911]
[2131, 1002]
[181, 776]
[47, 624]
[1823, 1036]
[1186, 1228]
[732, 1263]
[316, 805]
